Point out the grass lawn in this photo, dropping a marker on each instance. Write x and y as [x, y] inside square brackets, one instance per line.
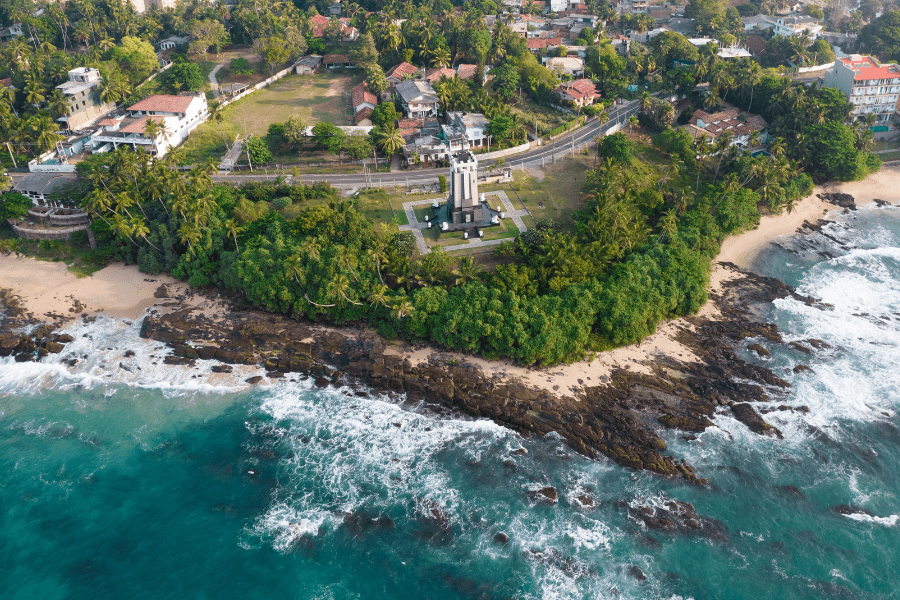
[57, 251]
[889, 155]
[555, 197]
[378, 206]
[313, 98]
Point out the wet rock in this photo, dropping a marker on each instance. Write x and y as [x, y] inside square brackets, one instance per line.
[71, 362]
[801, 368]
[207, 352]
[759, 350]
[65, 338]
[24, 357]
[519, 452]
[129, 353]
[53, 347]
[547, 493]
[818, 344]
[845, 201]
[850, 509]
[274, 374]
[585, 501]
[222, 369]
[322, 382]
[178, 360]
[678, 517]
[800, 347]
[746, 414]
[501, 538]
[636, 573]
[253, 380]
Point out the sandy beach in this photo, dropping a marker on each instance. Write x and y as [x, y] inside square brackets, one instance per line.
[49, 289]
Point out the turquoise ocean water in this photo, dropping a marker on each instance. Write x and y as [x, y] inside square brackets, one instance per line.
[127, 479]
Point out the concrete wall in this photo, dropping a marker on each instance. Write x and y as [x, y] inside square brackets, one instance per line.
[507, 152]
[61, 233]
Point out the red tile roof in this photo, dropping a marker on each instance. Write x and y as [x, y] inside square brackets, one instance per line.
[538, 43]
[466, 71]
[756, 44]
[362, 115]
[164, 103]
[400, 71]
[436, 74]
[360, 94]
[319, 23]
[868, 68]
[107, 122]
[578, 89]
[727, 120]
[330, 59]
[139, 124]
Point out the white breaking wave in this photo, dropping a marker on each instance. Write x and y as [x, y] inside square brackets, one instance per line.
[100, 351]
[890, 521]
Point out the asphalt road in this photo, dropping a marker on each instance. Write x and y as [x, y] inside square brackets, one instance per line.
[536, 157]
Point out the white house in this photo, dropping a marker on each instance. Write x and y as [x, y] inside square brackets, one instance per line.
[418, 98]
[871, 87]
[473, 127]
[565, 65]
[178, 114]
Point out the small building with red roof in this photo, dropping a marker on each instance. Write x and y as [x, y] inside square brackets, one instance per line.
[399, 73]
[362, 98]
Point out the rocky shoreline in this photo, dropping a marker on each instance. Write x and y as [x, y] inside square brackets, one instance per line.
[620, 419]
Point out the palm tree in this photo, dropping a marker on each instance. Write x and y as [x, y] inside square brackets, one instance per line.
[232, 228]
[337, 290]
[440, 57]
[668, 224]
[34, 93]
[59, 105]
[390, 141]
[467, 270]
[403, 308]
[379, 296]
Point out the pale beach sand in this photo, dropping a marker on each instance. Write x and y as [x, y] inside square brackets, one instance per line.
[49, 290]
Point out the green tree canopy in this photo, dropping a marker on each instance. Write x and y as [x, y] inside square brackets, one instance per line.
[882, 36]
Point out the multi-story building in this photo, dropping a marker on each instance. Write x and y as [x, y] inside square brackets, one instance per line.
[871, 87]
[83, 93]
[418, 98]
[178, 115]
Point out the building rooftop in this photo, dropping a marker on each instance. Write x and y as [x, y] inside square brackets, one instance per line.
[312, 61]
[728, 120]
[44, 183]
[139, 124]
[578, 88]
[360, 94]
[332, 59]
[163, 103]
[419, 91]
[402, 70]
[866, 67]
[437, 74]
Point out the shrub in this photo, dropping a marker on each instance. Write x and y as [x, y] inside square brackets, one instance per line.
[403, 242]
[281, 203]
[443, 181]
[240, 66]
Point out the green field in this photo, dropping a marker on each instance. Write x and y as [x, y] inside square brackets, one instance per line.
[313, 98]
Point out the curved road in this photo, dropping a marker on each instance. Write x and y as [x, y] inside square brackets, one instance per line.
[536, 157]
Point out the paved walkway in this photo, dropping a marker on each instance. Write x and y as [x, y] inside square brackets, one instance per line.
[231, 157]
[416, 228]
[212, 79]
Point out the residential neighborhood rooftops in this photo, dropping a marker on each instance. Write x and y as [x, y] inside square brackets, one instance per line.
[538, 43]
[416, 91]
[319, 23]
[311, 61]
[437, 74]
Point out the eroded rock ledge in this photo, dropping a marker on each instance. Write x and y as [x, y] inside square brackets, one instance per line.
[620, 420]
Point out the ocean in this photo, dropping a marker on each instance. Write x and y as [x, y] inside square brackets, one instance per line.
[125, 478]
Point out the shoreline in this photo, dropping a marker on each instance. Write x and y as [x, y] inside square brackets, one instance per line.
[48, 290]
[616, 404]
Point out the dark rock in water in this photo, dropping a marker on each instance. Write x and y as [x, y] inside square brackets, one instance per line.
[207, 352]
[548, 493]
[746, 414]
[791, 489]
[65, 338]
[689, 438]
[322, 382]
[880, 203]
[125, 367]
[274, 374]
[222, 369]
[839, 199]
[178, 360]
[800, 347]
[850, 509]
[678, 517]
[566, 564]
[636, 572]
[42, 352]
[818, 344]
[759, 350]
[129, 353]
[803, 409]
[53, 347]
[519, 452]
[253, 380]
[586, 501]
[501, 538]
[24, 357]
[71, 362]
[800, 368]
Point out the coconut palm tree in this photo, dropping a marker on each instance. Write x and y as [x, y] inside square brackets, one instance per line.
[337, 289]
[390, 141]
[403, 308]
[466, 270]
[233, 229]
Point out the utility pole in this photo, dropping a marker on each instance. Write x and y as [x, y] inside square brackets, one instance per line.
[12, 156]
[248, 156]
